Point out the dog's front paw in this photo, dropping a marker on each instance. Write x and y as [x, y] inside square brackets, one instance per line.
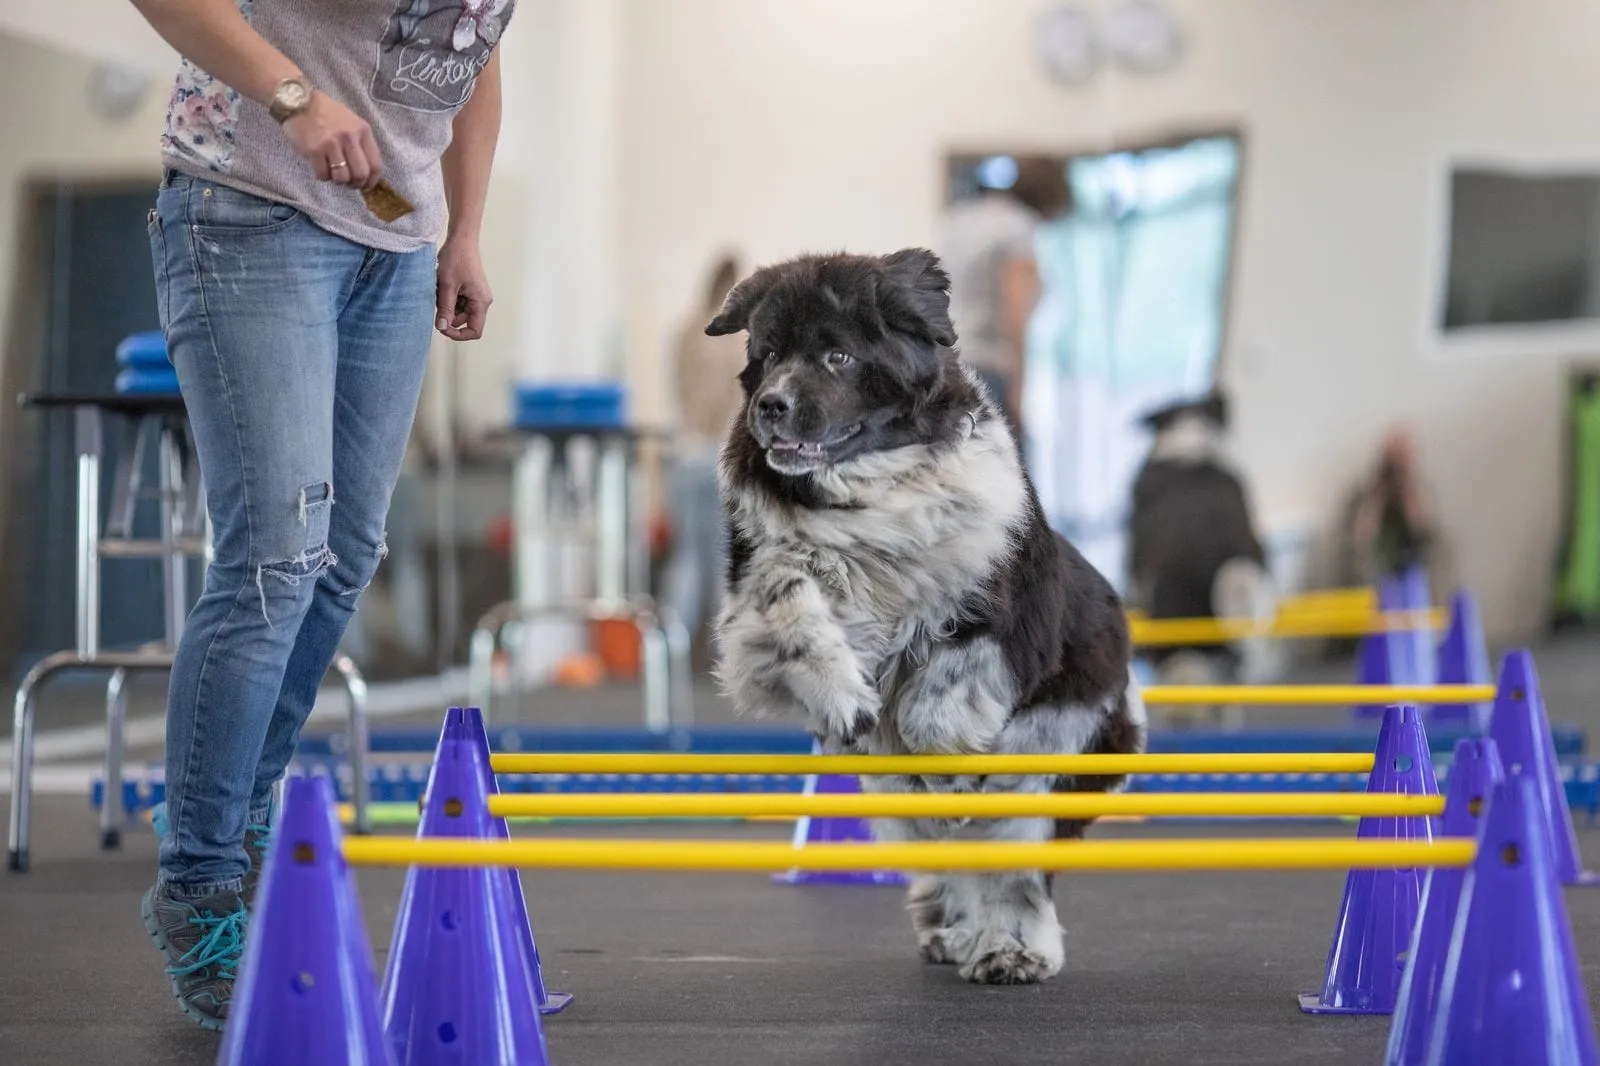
[1006, 961]
[846, 727]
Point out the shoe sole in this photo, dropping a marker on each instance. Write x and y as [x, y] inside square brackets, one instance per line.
[153, 927]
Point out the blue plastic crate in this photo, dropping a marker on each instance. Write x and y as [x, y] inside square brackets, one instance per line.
[543, 405]
[151, 381]
[144, 351]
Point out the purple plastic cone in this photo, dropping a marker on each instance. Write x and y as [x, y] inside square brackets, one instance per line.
[305, 993]
[1474, 775]
[1415, 596]
[1512, 991]
[1380, 657]
[1367, 957]
[809, 830]
[458, 988]
[1464, 660]
[475, 731]
[1522, 729]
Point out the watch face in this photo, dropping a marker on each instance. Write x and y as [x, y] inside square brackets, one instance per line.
[293, 94]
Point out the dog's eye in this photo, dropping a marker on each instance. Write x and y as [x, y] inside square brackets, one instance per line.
[768, 356]
[840, 359]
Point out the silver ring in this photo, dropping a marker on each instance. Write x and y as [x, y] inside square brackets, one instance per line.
[340, 163]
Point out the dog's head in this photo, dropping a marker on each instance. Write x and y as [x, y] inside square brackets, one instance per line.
[848, 355]
[1193, 431]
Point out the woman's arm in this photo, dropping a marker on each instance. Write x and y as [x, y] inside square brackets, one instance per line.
[464, 295]
[213, 36]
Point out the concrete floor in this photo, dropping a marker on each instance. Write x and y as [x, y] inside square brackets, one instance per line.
[711, 970]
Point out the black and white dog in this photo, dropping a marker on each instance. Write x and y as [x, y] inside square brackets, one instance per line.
[1193, 550]
[892, 583]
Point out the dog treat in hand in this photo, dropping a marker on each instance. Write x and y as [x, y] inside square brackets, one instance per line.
[384, 202]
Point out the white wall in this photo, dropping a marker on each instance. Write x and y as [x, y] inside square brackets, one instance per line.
[787, 125]
[650, 133]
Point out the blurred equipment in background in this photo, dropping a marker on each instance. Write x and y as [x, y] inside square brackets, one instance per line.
[1194, 551]
[706, 376]
[1577, 592]
[986, 241]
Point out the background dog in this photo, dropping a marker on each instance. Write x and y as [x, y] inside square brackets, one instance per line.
[892, 582]
[1193, 550]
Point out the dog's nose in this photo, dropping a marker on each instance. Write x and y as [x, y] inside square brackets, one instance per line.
[773, 405]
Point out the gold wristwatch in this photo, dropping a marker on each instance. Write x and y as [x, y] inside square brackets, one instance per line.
[290, 97]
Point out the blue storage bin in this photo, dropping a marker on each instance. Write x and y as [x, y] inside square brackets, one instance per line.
[145, 351]
[597, 405]
[141, 382]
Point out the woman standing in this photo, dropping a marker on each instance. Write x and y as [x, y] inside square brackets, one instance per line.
[299, 321]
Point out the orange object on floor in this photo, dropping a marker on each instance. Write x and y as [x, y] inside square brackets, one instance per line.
[617, 643]
[583, 670]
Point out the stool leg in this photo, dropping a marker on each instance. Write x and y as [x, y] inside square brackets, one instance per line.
[480, 668]
[112, 814]
[657, 674]
[681, 709]
[21, 774]
[356, 739]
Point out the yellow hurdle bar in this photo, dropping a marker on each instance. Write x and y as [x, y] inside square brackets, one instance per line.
[748, 857]
[954, 805]
[934, 765]
[1155, 632]
[1316, 695]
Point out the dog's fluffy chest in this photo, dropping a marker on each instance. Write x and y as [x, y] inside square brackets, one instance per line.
[900, 561]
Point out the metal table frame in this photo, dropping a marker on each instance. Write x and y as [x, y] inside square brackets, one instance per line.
[185, 534]
[544, 472]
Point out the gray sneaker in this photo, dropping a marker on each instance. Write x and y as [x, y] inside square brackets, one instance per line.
[201, 940]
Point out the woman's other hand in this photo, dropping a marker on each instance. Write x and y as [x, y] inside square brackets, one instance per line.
[464, 295]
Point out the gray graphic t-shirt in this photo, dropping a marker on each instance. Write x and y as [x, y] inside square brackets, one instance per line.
[405, 66]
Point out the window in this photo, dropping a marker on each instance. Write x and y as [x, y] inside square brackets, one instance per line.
[1131, 316]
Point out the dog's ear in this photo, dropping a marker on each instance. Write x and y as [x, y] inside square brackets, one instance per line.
[741, 301]
[917, 298]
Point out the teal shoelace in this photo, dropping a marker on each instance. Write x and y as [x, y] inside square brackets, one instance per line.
[221, 945]
[260, 837]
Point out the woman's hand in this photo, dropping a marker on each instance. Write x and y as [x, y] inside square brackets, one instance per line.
[336, 142]
[464, 295]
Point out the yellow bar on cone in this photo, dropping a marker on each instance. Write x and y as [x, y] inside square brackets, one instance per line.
[935, 765]
[966, 805]
[1315, 695]
[764, 857]
[1154, 632]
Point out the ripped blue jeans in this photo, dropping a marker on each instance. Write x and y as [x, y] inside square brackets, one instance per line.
[301, 358]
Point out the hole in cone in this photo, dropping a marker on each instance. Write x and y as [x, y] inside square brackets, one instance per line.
[453, 807]
[447, 1033]
[1518, 694]
[305, 853]
[1475, 806]
[303, 982]
[1402, 764]
[448, 921]
[1511, 855]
